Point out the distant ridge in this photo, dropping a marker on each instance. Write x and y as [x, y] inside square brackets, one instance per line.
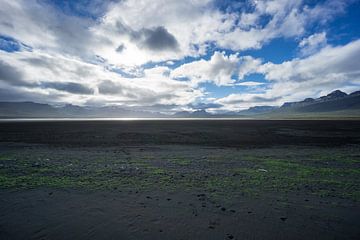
[335, 104]
[333, 96]
[257, 110]
[39, 110]
[334, 101]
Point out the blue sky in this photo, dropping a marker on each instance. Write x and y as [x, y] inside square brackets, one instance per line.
[172, 55]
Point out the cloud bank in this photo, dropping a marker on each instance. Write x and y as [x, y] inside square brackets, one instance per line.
[174, 55]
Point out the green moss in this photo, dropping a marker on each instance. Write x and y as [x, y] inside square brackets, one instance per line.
[284, 175]
[181, 161]
[223, 174]
[35, 181]
[157, 171]
[4, 158]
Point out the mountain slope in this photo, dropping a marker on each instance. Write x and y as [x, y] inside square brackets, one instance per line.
[335, 101]
[257, 110]
[335, 104]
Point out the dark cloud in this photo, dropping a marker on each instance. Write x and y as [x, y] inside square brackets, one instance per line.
[159, 39]
[6, 24]
[155, 39]
[120, 48]
[13, 77]
[107, 87]
[55, 66]
[9, 73]
[124, 29]
[22, 95]
[38, 62]
[69, 87]
[135, 95]
[9, 94]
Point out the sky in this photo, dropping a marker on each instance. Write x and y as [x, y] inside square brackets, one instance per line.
[169, 55]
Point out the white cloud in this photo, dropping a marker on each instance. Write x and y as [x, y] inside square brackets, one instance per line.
[195, 24]
[219, 70]
[248, 65]
[43, 27]
[75, 59]
[331, 64]
[312, 43]
[236, 102]
[51, 77]
[250, 84]
[314, 76]
[185, 28]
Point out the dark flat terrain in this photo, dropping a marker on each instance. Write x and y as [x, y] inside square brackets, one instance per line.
[209, 179]
[227, 133]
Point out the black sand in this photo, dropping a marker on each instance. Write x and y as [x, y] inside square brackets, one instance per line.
[180, 180]
[227, 133]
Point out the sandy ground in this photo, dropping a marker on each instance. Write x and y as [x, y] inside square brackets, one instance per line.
[180, 180]
[69, 214]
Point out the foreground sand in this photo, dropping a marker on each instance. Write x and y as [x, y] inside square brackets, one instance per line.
[180, 180]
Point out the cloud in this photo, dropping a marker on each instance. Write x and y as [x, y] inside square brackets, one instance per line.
[331, 68]
[173, 30]
[219, 70]
[69, 87]
[222, 70]
[195, 25]
[154, 54]
[313, 43]
[14, 77]
[246, 98]
[248, 65]
[120, 48]
[236, 102]
[313, 76]
[53, 77]
[157, 39]
[250, 84]
[40, 25]
[273, 19]
[10, 74]
[131, 92]
[23, 94]
[331, 64]
[108, 87]
[153, 39]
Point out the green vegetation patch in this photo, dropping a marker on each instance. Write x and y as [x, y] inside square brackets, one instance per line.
[222, 173]
[181, 161]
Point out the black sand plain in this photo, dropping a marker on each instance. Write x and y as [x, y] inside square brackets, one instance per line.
[180, 179]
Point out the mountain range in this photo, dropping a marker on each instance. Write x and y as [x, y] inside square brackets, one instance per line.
[335, 104]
